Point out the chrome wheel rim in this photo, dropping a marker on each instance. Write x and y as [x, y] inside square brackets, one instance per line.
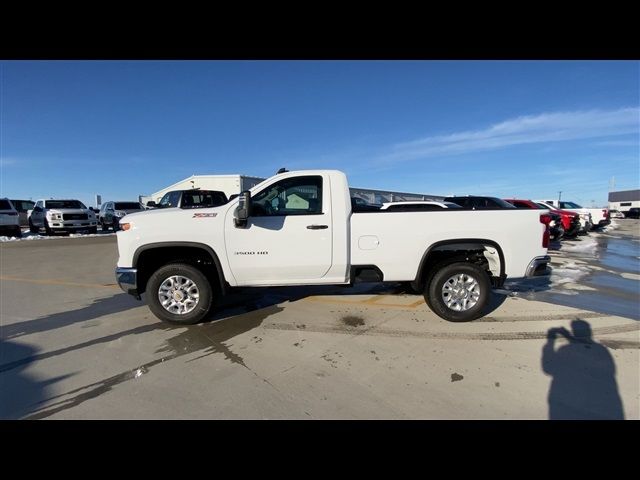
[461, 292]
[178, 295]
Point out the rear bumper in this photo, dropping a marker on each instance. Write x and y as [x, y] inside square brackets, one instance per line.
[127, 278]
[539, 266]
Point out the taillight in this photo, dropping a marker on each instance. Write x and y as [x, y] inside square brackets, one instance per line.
[545, 219]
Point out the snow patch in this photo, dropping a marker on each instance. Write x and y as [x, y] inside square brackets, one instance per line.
[27, 235]
[587, 245]
[568, 273]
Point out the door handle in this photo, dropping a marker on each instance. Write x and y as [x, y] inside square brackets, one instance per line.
[317, 227]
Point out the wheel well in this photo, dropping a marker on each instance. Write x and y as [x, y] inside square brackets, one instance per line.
[149, 260]
[481, 253]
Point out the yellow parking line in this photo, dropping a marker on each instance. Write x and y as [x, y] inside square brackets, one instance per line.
[58, 282]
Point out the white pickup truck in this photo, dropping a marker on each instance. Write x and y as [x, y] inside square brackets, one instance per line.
[298, 228]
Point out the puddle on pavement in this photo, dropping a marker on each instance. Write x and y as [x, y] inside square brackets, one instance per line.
[609, 292]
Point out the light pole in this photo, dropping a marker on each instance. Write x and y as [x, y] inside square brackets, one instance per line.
[559, 195]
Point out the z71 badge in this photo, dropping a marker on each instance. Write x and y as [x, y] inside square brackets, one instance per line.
[202, 215]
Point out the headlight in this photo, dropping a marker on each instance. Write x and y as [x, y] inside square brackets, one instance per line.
[55, 216]
[120, 214]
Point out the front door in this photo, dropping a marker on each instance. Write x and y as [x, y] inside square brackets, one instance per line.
[288, 238]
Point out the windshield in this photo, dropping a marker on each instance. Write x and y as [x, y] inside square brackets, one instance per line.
[569, 205]
[64, 204]
[128, 206]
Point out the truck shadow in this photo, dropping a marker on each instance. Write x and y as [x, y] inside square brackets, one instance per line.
[98, 308]
[19, 388]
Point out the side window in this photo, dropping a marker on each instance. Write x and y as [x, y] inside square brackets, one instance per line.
[39, 204]
[170, 199]
[291, 196]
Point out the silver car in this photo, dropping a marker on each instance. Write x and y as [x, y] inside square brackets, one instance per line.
[111, 213]
[9, 220]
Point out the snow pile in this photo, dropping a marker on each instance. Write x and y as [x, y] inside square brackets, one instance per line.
[27, 235]
[585, 245]
[568, 273]
[613, 225]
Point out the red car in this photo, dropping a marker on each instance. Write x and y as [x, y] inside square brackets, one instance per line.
[570, 220]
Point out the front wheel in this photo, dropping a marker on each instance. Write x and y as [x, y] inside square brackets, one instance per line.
[33, 228]
[179, 293]
[47, 230]
[459, 292]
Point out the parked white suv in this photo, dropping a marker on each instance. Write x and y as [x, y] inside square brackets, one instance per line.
[61, 216]
[9, 220]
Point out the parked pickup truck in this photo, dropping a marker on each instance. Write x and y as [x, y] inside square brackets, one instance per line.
[599, 216]
[298, 228]
[61, 216]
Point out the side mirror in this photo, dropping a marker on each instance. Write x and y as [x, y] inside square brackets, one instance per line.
[151, 204]
[243, 210]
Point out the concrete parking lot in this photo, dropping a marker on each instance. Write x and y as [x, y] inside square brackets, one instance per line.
[73, 346]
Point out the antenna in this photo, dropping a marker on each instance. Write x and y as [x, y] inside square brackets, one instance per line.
[282, 170]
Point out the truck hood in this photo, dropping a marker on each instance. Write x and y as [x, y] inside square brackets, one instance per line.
[160, 213]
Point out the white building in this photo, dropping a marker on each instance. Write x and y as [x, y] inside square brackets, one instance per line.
[229, 184]
[624, 200]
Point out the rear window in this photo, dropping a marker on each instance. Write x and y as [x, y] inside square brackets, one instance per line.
[569, 205]
[23, 205]
[203, 199]
[480, 202]
[127, 206]
[5, 205]
[64, 204]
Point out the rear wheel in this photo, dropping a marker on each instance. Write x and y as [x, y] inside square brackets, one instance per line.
[33, 228]
[458, 292]
[179, 293]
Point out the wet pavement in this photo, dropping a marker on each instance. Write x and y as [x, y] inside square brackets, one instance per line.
[73, 346]
[599, 272]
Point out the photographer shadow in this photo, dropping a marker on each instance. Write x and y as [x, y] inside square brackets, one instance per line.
[584, 386]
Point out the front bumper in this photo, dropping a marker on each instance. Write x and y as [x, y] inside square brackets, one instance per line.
[127, 278]
[539, 266]
[72, 225]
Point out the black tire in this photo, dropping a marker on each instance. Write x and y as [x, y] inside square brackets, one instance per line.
[115, 224]
[205, 300]
[433, 291]
[104, 227]
[47, 230]
[93, 230]
[32, 228]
